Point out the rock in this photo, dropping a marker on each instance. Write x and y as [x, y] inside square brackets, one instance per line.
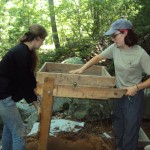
[28, 113]
[31, 120]
[73, 60]
[79, 115]
[90, 109]
[61, 104]
[147, 147]
[25, 109]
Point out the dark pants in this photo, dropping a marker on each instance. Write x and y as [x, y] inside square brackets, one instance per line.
[126, 119]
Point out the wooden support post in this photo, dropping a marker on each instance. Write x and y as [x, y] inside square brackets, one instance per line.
[46, 113]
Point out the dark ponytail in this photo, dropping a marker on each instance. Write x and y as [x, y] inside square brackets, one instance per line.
[131, 38]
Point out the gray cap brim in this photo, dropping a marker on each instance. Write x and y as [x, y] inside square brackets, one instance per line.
[110, 32]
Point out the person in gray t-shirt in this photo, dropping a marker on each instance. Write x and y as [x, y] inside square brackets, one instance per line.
[130, 62]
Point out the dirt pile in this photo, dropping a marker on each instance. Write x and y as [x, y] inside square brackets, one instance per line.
[89, 138]
[71, 142]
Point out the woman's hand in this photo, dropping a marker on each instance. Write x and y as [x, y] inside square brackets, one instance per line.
[77, 71]
[38, 108]
[131, 91]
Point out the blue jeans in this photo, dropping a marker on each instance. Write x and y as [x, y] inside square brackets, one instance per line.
[126, 119]
[13, 130]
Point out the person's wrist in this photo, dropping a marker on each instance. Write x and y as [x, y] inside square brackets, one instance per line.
[137, 87]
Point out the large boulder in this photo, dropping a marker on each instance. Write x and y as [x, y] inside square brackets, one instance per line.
[28, 114]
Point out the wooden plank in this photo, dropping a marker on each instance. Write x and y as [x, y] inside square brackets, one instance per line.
[104, 72]
[84, 92]
[43, 68]
[79, 79]
[87, 92]
[65, 68]
[46, 113]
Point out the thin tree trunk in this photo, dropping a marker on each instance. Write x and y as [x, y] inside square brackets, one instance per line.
[53, 24]
[96, 24]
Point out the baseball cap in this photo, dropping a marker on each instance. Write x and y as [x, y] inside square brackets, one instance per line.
[119, 24]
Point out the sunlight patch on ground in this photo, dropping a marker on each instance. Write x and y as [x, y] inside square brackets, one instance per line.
[46, 48]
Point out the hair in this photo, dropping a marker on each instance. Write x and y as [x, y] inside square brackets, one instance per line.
[34, 31]
[131, 38]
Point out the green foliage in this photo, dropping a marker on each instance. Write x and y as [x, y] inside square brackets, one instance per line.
[16, 16]
[142, 19]
[110, 67]
[80, 23]
[73, 48]
[80, 48]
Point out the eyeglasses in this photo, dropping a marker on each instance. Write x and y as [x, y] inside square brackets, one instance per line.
[114, 35]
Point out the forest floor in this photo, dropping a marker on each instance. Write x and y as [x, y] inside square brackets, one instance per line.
[92, 137]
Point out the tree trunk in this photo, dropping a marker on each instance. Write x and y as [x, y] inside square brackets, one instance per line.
[53, 24]
[96, 21]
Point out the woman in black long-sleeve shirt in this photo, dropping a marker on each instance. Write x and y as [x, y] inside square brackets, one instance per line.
[17, 81]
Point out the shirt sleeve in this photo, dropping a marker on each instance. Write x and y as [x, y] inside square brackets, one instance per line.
[108, 52]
